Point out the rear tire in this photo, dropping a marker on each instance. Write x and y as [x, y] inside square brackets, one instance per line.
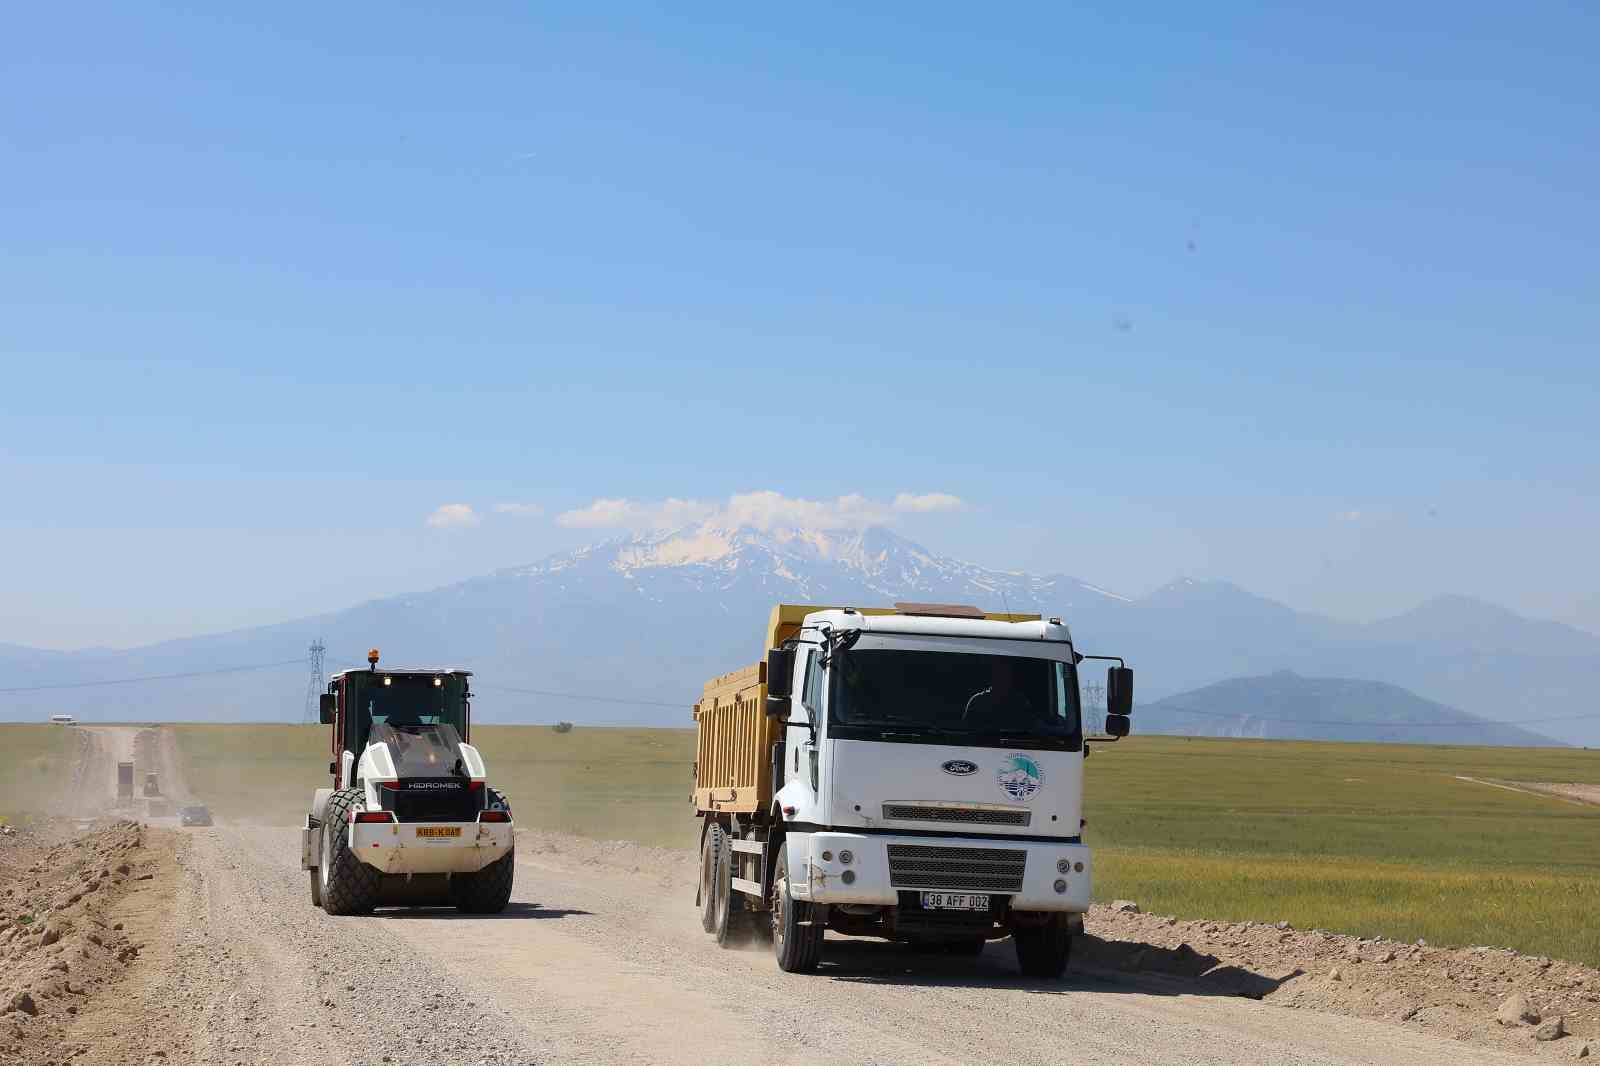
[797, 947]
[1044, 950]
[348, 885]
[711, 848]
[487, 891]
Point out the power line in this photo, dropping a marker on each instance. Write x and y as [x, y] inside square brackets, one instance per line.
[578, 696]
[154, 677]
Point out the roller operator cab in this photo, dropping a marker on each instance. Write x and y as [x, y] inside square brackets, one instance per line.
[914, 774]
[410, 817]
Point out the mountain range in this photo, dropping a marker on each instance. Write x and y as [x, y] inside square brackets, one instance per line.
[634, 625]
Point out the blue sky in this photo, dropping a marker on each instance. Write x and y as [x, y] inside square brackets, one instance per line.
[1296, 297]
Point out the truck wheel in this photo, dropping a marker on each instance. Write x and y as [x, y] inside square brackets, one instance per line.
[712, 846]
[798, 947]
[1043, 950]
[487, 891]
[349, 886]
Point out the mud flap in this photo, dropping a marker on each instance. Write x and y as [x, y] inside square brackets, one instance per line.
[310, 845]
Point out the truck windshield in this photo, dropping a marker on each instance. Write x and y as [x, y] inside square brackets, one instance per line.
[951, 697]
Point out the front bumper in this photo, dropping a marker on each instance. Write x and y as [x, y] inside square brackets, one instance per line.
[398, 848]
[823, 880]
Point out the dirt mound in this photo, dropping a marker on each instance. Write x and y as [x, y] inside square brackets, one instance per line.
[57, 946]
[1448, 991]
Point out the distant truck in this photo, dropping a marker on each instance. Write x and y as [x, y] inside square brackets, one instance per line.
[124, 783]
[913, 773]
[62, 719]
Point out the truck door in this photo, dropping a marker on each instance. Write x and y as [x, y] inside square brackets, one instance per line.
[803, 741]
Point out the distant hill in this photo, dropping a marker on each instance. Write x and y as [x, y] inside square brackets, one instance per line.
[1286, 706]
[639, 622]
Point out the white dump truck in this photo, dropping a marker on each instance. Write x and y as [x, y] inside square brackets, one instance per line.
[410, 818]
[913, 773]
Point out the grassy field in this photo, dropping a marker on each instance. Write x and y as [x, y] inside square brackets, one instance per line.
[1367, 839]
[36, 762]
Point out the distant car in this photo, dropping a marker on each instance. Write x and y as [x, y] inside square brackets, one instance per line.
[194, 815]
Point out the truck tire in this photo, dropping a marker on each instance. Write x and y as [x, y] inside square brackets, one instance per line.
[487, 891]
[797, 947]
[349, 886]
[726, 909]
[1043, 950]
[712, 847]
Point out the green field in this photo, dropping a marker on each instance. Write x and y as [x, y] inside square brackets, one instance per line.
[36, 762]
[1359, 838]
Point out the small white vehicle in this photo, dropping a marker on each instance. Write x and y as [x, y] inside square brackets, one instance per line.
[410, 818]
[62, 719]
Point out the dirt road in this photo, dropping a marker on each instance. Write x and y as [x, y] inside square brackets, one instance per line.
[600, 959]
[597, 963]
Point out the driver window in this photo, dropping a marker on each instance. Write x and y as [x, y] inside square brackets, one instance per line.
[811, 693]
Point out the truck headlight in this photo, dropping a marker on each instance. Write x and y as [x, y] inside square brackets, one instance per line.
[1063, 866]
[846, 857]
[1060, 886]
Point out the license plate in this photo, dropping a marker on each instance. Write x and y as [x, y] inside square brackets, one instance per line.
[954, 901]
[438, 832]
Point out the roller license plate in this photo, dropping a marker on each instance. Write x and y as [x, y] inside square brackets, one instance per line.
[954, 901]
[438, 832]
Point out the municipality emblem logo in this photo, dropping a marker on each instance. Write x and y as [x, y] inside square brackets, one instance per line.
[1020, 777]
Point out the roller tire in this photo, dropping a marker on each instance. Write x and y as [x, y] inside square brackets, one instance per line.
[1044, 951]
[350, 886]
[798, 948]
[486, 891]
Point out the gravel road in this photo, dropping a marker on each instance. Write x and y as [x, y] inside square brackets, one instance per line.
[600, 959]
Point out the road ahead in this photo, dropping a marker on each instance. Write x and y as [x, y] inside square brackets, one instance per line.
[601, 959]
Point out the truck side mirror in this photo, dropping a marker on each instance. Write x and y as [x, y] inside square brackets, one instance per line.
[780, 680]
[1119, 693]
[1118, 725]
[327, 706]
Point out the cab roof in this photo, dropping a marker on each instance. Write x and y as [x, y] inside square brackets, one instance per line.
[944, 620]
[417, 671]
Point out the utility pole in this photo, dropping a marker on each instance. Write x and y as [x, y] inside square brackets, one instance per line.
[1097, 695]
[314, 684]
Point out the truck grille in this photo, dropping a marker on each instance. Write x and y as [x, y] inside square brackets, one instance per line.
[956, 869]
[445, 801]
[911, 812]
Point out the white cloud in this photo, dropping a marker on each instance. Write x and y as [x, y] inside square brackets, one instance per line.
[453, 516]
[927, 502]
[520, 510]
[765, 510]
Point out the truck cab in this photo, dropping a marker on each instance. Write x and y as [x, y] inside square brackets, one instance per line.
[926, 782]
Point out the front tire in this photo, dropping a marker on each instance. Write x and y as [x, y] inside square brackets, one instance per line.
[797, 946]
[1044, 950]
[348, 885]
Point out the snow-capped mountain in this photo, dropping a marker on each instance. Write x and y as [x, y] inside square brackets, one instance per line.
[636, 624]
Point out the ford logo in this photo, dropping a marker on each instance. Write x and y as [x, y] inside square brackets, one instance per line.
[959, 767]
